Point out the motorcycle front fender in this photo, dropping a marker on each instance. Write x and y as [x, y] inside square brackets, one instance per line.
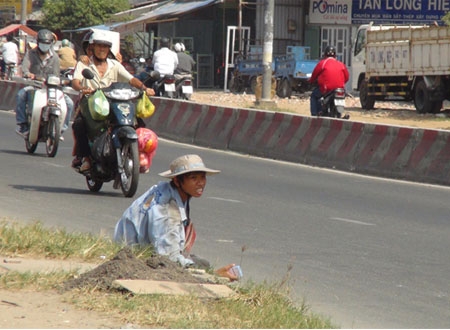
[38, 102]
[55, 111]
[123, 133]
[62, 106]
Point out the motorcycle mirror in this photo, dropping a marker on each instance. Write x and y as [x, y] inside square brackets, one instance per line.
[88, 74]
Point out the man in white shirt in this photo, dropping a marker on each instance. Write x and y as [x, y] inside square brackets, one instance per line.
[10, 53]
[165, 61]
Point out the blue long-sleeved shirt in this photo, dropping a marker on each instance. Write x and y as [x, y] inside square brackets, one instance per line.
[156, 218]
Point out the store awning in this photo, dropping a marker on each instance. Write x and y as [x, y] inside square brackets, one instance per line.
[173, 8]
[168, 11]
[14, 27]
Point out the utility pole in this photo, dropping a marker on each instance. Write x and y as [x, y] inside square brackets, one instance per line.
[267, 51]
[23, 14]
[240, 26]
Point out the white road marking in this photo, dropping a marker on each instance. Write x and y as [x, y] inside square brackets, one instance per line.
[354, 221]
[226, 200]
[54, 165]
[224, 241]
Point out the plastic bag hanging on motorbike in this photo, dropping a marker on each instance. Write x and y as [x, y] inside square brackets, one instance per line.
[98, 105]
[144, 108]
[147, 145]
[102, 149]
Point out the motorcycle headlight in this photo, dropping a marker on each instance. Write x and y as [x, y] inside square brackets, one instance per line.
[122, 94]
[53, 80]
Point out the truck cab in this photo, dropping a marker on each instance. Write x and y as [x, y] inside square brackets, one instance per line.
[358, 67]
[402, 62]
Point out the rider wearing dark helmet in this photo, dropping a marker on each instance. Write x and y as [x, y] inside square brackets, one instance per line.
[39, 62]
[165, 61]
[329, 74]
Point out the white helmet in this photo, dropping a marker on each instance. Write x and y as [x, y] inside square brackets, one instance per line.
[101, 38]
[179, 47]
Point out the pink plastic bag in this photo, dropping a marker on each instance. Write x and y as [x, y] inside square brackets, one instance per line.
[147, 144]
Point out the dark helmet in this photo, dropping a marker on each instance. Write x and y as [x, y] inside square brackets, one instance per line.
[330, 51]
[45, 36]
[164, 42]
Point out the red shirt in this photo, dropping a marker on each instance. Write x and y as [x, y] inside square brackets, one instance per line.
[330, 74]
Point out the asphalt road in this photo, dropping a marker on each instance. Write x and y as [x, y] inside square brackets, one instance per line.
[368, 252]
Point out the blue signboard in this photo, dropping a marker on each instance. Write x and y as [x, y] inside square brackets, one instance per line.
[399, 11]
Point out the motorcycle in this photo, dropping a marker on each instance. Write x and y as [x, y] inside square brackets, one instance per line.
[333, 104]
[184, 88]
[46, 114]
[115, 154]
[165, 87]
[149, 78]
[68, 73]
[138, 65]
[10, 71]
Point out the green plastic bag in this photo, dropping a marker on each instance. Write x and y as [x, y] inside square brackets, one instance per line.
[98, 105]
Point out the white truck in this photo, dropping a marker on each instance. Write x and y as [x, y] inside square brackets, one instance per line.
[407, 62]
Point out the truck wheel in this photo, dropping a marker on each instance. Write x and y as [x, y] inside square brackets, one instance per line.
[232, 84]
[253, 84]
[421, 98]
[235, 85]
[436, 107]
[367, 102]
[284, 89]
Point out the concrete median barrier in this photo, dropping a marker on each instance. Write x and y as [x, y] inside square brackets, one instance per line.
[8, 95]
[420, 155]
[407, 153]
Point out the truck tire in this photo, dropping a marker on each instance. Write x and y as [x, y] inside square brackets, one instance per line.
[235, 85]
[421, 98]
[367, 102]
[284, 89]
[436, 107]
[253, 84]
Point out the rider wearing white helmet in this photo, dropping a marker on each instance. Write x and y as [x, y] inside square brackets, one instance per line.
[179, 47]
[185, 62]
[106, 71]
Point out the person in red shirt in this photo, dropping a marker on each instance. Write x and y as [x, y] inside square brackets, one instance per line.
[329, 74]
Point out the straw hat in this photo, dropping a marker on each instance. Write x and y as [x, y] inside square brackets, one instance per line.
[186, 164]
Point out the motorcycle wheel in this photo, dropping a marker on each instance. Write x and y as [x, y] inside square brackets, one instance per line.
[284, 89]
[8, 73]
[93, 185]
[130, 156]
[187, 96]
[339, 111]
[31, 147]
[53, 134]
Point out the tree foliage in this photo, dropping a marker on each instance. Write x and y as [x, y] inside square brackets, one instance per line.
[73, 14]
[446, 19]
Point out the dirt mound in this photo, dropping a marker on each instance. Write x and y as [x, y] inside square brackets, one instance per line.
[126, 266]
